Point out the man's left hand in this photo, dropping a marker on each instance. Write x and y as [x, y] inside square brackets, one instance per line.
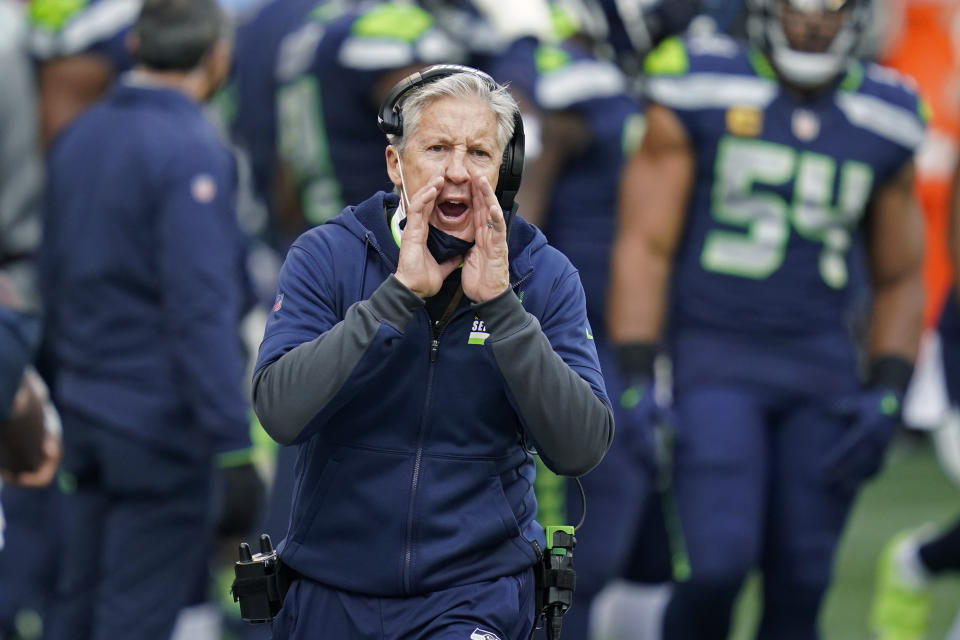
[486, 271]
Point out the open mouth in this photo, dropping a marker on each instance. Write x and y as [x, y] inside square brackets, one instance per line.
[452, 209]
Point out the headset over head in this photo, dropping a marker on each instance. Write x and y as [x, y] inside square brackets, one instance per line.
[390, 121]
[810, 42]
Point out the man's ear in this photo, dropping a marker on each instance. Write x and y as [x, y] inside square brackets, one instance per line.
[393, 165]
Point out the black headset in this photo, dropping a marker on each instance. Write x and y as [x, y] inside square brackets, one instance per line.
[511, 166]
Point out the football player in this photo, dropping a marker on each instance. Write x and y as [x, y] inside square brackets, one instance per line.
[773, 189]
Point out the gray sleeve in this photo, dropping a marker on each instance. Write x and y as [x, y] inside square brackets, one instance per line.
[572, 426]
[290, 391]
[21, 174]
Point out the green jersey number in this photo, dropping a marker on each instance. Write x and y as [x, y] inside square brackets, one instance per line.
[743, 167]
[305, 150]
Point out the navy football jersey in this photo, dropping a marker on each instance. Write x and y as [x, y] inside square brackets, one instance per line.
[581, 209]
[59, 28]
[773, 241]
[327, 118]
[253, 85]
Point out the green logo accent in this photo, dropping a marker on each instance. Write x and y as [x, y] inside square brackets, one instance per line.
[854, 77]
[476, 341]
[53, 14]
[589, 335]
[394, 21]
[631, 397]
[550, 58]
[668, 59]
[564, 22]
[924, 110]
[889, 405]
[66, 481]
[520, 295]
[762, 65]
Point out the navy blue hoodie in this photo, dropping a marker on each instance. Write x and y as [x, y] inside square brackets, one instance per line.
[413, 469]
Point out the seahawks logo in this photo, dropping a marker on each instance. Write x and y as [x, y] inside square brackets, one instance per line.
[480, 634]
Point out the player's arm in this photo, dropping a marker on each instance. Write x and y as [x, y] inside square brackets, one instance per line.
[67, 86]
[653, 198]
[563, 134]
[895, 247]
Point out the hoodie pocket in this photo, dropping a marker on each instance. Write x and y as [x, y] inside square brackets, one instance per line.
[462, 516]
[306, 510]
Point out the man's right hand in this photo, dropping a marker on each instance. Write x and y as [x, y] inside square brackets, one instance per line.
[417, 269]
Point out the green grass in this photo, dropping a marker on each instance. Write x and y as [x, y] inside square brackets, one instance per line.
[911, 490]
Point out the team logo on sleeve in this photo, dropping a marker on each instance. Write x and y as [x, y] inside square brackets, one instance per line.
[203, 188]
[278, 302]
[478, 332]
[481, 634]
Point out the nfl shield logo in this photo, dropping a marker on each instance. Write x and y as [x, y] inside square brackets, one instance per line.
[278, 302]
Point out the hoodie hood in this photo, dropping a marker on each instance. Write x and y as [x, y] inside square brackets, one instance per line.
[368, 222]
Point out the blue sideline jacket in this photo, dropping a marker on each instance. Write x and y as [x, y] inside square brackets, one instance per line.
[413, 474]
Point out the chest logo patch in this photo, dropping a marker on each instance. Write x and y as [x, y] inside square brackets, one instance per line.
[481, 634]
[744, 121]
[478, 332]
[806, 125]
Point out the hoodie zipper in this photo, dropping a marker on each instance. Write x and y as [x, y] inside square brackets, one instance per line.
[437, 328]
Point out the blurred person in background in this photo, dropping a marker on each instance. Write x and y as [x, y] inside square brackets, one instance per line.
[332, 73]
[920, 38]
[27, 566]
[142, 279]
[773, 186]
[80, 48]
[588, 124]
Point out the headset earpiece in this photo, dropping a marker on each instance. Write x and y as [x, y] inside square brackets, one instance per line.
[390, 122]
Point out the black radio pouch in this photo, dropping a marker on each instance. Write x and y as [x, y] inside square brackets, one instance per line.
[260, 582]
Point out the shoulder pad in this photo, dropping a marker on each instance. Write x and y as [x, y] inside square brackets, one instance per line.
[887, 104]
[393, 20]
[668, 59]
[69, 27]
[52, 15]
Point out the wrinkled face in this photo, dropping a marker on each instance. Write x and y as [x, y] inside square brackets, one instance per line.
[456, 138]
[811, 25]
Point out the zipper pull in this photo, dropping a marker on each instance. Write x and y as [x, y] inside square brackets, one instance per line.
[434, 348]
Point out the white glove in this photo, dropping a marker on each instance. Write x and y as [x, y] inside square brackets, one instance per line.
[513, 19]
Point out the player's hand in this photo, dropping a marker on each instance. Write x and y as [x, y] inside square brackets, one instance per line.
[33, 404]
[486, 269]
[642, 416]
[417, 269]
[874, 416]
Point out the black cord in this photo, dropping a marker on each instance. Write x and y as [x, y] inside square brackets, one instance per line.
[583, 501]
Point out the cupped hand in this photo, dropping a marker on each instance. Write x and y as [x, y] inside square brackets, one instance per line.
[486, 269]
[417, 269]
